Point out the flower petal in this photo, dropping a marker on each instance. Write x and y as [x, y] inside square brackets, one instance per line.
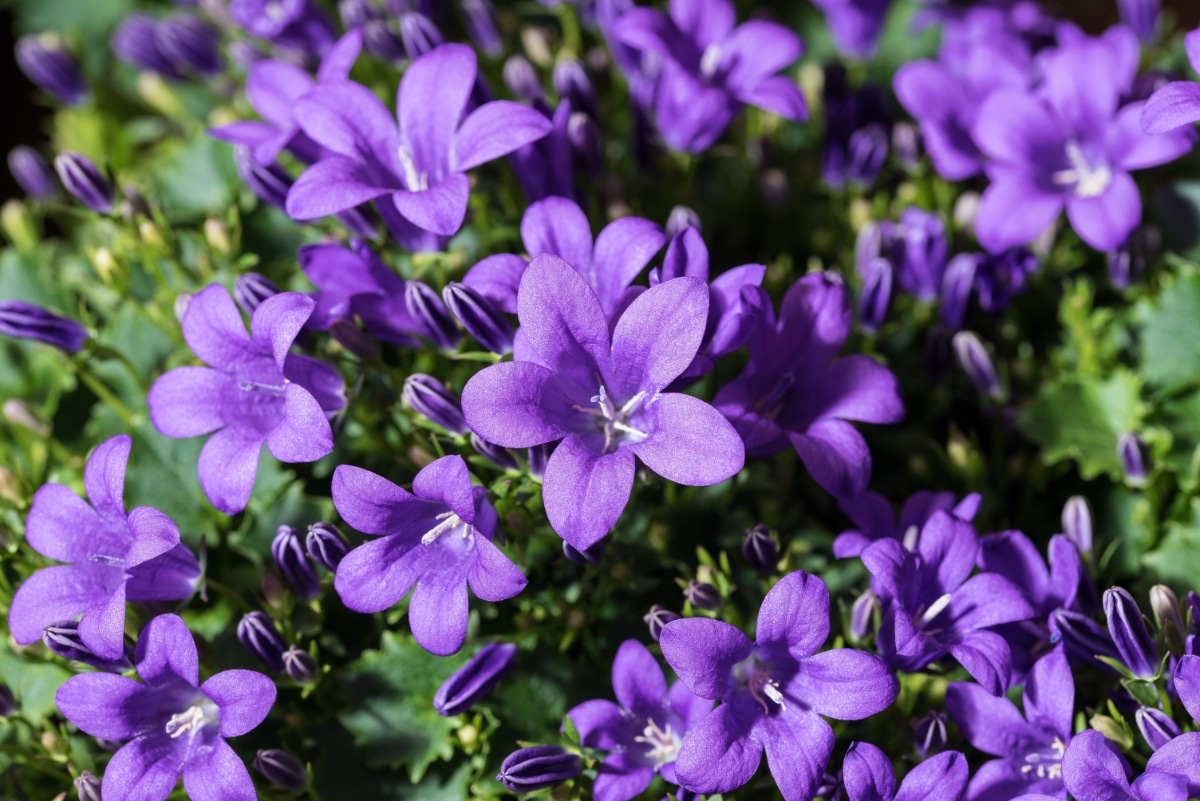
[1187, 683]
[794, 615]
[62, 526]
[333, 184]
[702, 653]
[757, 49]
[867, 774]
[154, 534]
[274, 87]
[1050, 692]
[584, 492]
[347, 118]
[1134, 149]
[439, 209]
[493, 130]
[623, 249]
[371, 503]
[844, 684]
[559, 227]
[53, 594]
[228, 464]
[218, 774]
[706, 22]
[990, 723]
[798, 746]
[517, 405]
[432, 96]
[637, 679]
[1171, 107]
[166, 648]
[339, 59]
[214, 331]
[689, 441]
[620, 777]
[144, 769]
[303, 435]
[1093, 768]
[657, 336]
[942, 777]
[103, 705]
[986, 600]
[599, 722]
[1106, 221]
[494, 577]
[717, 755]
[189, 401]
[497, 279]
[836, 455]
[278, 320]
[1014, 126]
[1180, 757]
[779, 95]
[244, 696]
[377, 574]
[437, 613]
[987, 657]
[104, 476]
[562, 319]
[1013, 211]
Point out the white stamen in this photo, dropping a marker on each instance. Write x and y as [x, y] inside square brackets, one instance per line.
[932, 612]
[1089, 181]
[910, 538]
[450, 521]
[414, 179]
[269, 389]
[664, 743]
[771, 690]
[710, 61]
[110, 561]
[185, 722]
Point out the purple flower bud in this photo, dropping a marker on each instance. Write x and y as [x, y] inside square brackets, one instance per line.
[429, 398]
[473, 680]
[296, 25]
[869, 244]
[864, 613]
[382, 42]
[1083, 637]
[354, 13]
[680, 218]
[425, 305]
[189, 44]
[63, 640]
[479, 18]
[538, 456]
[1156, 726]
[876, 293]
[347, 334]
[270, 183]
[1003, 276]
[1165, 605]
[288, 551]
[831, 787]
[522, 79]
[281, 769]
[760, 550]
[954, 296]
[1131, 450]
[50, 67]
[1143, 16]
[1077, 523]
[135, 42]
[572, 82]
[1129, 633]
[32, 173]
[919, 249]
[497, 455]
[657, 619]
[867, 152]
[257, 633]
[583, 134]
[26, 321]
[251, 289]
[480, 317]
[906, 144]
[84, 181]
[589, 556]
[702, 595]
[325, 545]
[529, 769]
[88, 786]
[299, 666]
[974, 360]
[419, 34]
[1193, 612]
[929, 734]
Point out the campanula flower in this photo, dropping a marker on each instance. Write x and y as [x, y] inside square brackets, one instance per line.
[603, 395]
[876, 520]
[281, 769]
[774, 691]
[296, 25]
[1143, 16]
[1128, 630]
[32, 173]
[83, 181]
[174, 725]
[438, 538]
[855, 24]
[1178, 103]
[253, 392]
[46, 62]
[795, 393]
[1094, 770]
[26, 321]
[416, 168]
[473, 680]
[112, 557]
[529, 769]
[867, 775]
[643, 731]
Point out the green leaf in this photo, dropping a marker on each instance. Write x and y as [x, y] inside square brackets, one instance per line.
[1080, 418]
[1170, 329]
[33, 683]
[1176, 560]
[390, 698]
[198, 179]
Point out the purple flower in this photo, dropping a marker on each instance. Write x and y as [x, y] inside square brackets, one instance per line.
[529, 769]
[416, 169]
[710, 68]
[48, 65]
[873, 515]
[1094, 770]
[112, 557]
[1143, 16]
[281, 769]
[644, 733]
[175, 725]
[545, 167]
[26, 321]
[558, 226]
[1178, 103]
[934, 609]
[1001, 277]
[603, 395]
[254, 392]
[438, 538]
[1030, 747]
[1069, 144]
[868, 775]
[190, 44]
[857, 126]
[297, 25]
[136, 42]
[855, 24]
[918, 248]
[83, 181]
[773, 691]
[794, 392]
[1128, 630]
[32, 173]
[473, 680]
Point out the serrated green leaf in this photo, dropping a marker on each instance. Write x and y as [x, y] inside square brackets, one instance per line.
[1176, 560]
[1170, 329]
[33, 683]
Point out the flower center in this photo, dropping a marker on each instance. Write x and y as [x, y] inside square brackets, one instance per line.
[772, 404]
[710, 61]
[1046, 764]
[448, 522]
[267, 389]
[191, 720]
[664, 743]
[751, 674]
[614, 422]
[414, 179]
[926, 616]
[1089, 180]
[108, 561]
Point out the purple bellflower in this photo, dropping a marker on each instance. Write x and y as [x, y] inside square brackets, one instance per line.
[1069, 144]
[774, 691]
[253, 392]
[558, 226]
[1094, 770]
[867, 775]
[32, 173]
[174, 724]
[1030, 747]
[794, 392]
[710, 68]
[136, 42]
[438, 538]
[545, 167]
[873, 515]
[473, 680]
[416, 169]
[46, 63]
[855, 24]
[644, 732]
[603, 395]
[1178, 103]
[933, 609]
[857, 130]
[26, 321]
[1143, 16]
[299, 26]
[112, 557]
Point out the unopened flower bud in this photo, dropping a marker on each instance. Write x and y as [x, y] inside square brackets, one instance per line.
[281, 769]
[538, 456]
[419, 34]
[522, 79]
[479, 18]
[1083, 637]
[572, 82]
[955, 294]
[216, 234]
[288, 551]
[382, 42]
[427, 308]
[357, 341]
[49, 66]
[906, 144]
[1077, 523]
[257, 633]
[299, 666]
[863, 613]
[63, 640]
[588, 556]
[876, 293]
[1165, 605]
[479, 317]
[1156, 726]
[473, 680]
[760, 550]
[190, 44]
[529, 769]
[325, 545]
[8, 702]
[681, 218]
[32, 173]
[135, 41]
[499, 456]
[1113, 731]
[356, 12]
[1193, 613]
[702, 595]
[1131, 450]
[251, 289]
[1129, 633]
[583, 133]
[88, 786]
[429, 398]
[269, 183]
[26, 321]
[17, 412]
[657, 619]
[929, 734]
[973, 358]
[180, 306]
[84, 181]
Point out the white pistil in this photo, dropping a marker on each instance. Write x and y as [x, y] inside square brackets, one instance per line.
[932, 612]
[615, 420]
[664, 743]
[449, 521]
[185, 722]
[1046, 764]
[110, 561]
[414, 179]
[1089, 181]
[268, 389]
[910, 538]
[710, 60]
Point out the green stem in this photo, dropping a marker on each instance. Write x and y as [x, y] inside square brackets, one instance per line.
[105, 394]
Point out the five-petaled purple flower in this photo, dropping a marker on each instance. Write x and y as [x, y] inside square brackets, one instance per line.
[253, 392]
[603, 395]
[795, 392]
[644, 732]
[773, 690]
[112, 557]
[174, 724]
[867, 775]
[439, 537]
[416, 168]
[873, 515]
